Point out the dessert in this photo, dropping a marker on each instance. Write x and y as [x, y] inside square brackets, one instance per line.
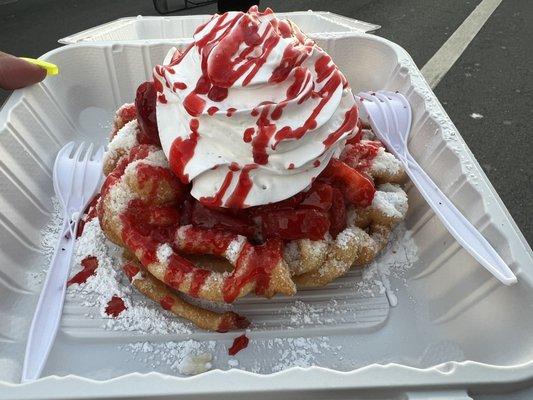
[242, 168]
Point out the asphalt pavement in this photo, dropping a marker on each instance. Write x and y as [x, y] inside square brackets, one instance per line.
[493, 77]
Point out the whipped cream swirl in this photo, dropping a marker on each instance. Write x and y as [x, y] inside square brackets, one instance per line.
[252, 111]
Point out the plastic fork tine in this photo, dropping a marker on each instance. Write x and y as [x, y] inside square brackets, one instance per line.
[79, 150]
[76, 158]
[63, 154]
[390, 114]
[374, 100]
[83, 162]
[65, 149]
[88, 153]
[99, 155]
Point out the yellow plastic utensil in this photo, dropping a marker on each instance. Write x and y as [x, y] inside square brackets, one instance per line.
[51, 69]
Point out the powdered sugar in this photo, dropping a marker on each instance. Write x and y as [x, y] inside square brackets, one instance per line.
[138, 275]
[301, 313]
[145, 318]
[124, 140]
[385, 163]
[139, 316]
[234, 248]
[296, 352]
[154, 158]
[187, 357]
[391, 200]
[119, 198]
[50, 233]
[232, 362]
[291, 253]
[346, 237]
[399, 255]
[164, 251]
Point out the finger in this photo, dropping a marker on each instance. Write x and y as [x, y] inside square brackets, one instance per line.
[16, 73]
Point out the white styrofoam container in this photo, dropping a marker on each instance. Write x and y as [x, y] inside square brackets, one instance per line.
[314, 23]
[455, 328]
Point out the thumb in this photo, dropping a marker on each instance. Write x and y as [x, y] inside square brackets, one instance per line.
[16, 73]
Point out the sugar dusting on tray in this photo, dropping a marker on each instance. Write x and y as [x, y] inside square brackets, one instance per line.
[189, 356]
[399, 256]
[296, 352]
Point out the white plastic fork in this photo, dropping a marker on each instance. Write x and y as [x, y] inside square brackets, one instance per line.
[389, 114]
[76, 178]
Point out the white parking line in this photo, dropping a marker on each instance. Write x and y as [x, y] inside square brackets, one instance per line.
[451, 50]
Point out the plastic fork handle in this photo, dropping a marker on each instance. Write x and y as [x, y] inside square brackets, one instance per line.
[459, 227]
[47, 315]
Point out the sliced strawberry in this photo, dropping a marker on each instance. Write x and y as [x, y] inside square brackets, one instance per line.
[356, 187]
[337, 213]
[186, 210]
[319, 196]
[205, 217]
[361, 155]
[295, 224]
[287, 204]
[145, 102]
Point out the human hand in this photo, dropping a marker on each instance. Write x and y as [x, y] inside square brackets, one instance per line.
[16, 73]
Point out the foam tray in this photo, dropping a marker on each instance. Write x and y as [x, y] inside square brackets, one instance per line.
[455, 327]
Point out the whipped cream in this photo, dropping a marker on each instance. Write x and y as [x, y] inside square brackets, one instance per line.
[252, 111]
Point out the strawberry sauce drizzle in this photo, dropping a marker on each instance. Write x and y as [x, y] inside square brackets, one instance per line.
[350, 119]
[216, 200]
[89, 265]
[244, 185]
[182, 150]
[255, 263]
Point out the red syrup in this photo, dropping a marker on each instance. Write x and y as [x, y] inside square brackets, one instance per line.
[115, 306]
[89, 265]
[239, 343]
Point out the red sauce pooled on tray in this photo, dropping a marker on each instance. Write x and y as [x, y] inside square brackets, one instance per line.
[239, 343]
[115, 306]
[89, 265]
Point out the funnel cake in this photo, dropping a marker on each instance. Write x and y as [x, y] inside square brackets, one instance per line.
[243, 168]
[143, 205]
